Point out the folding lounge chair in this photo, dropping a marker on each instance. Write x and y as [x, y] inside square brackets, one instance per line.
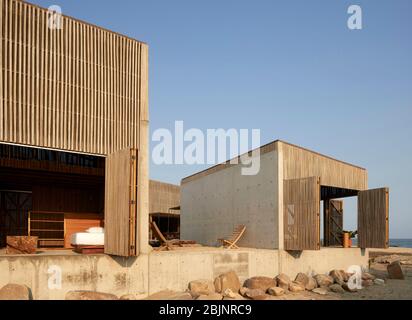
[234, 238]
[165, 244]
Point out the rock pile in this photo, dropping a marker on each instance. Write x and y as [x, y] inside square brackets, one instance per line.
[228, 287]
[388, 259]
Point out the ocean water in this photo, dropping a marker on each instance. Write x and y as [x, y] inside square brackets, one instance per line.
[404, 243]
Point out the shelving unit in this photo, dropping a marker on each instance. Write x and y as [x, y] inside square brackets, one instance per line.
[49, 227]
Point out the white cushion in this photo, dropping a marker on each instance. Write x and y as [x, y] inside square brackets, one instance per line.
[95, 230]
[87, 239]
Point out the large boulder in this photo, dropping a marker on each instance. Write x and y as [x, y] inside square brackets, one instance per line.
[395, 271]
[324, 280]
[230, 295]
[266, 297]
[201, 287]
[212, 296]
[255, 294]
[283, 281]
[276, 291]
[368, 276]
[243, 291]
[263, 283]
[170, 295]
[129, 296]
[312, 284]
[302, 278]
[228, 280]
[337, 288]
[345, 287]
[238, 297]
[322, 291]
[296, 287]
[89, 295]
[338, 276]
[387, 259]
[13, 291]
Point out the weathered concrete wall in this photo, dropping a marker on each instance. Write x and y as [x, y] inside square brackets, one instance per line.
[323, 260]
[213, 205]
[173, 270]
[79, 272]
[165, 270]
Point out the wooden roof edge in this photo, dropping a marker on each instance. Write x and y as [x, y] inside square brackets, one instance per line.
[268, 147]
[164, 183]
[321, 154]
[165, 214]
[86, 23]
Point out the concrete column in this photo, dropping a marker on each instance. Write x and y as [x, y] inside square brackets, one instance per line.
[280, 205]
[143, 190]
[144, 154]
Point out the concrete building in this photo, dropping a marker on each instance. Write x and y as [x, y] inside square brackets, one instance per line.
[280, 206]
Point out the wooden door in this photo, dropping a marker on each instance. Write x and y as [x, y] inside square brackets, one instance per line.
[301, 200]
[373, 218]
[333, 222]
[121, 203]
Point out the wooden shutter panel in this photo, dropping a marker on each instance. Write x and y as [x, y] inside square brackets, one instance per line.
[333, 222]
[121, 203]
[373, 218]
[301, 200]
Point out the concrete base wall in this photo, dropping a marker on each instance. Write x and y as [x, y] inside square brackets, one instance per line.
[78, 272]
[165, 270]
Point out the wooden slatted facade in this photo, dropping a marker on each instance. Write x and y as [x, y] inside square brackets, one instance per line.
[164, 197]
[301, 205]
[79, 88]
[373, 218]
[333, 223]
[120, 203]
[299, 162]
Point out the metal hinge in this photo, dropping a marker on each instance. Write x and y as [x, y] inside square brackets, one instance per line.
[132, 202]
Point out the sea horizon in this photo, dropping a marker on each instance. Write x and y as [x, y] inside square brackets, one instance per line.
[395, 242]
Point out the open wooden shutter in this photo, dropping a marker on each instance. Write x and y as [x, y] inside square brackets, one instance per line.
[333, 222]
[373, 218]
[121, 203]
[301, 200]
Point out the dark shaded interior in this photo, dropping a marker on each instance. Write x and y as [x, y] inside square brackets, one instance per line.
[47, 185]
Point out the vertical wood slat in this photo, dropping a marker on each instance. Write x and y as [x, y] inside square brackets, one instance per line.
[163, 197]
[120, 203]
[301, 214]
[2, 72]
[373, 218]
[76, 89]
[333, 222]
[299, 163]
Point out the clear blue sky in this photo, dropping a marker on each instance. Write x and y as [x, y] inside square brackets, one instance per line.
[290, 68]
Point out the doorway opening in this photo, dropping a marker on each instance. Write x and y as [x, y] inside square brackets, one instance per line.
[338, 215]
[49, 194]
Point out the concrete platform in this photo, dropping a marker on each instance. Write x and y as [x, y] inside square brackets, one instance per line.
[159, 270]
